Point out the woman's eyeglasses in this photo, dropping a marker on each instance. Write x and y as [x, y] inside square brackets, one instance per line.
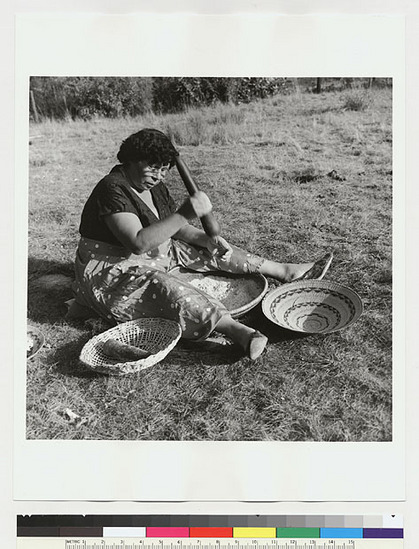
[156, 170]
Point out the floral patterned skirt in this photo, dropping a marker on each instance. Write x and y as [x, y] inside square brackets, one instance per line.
[120, 286]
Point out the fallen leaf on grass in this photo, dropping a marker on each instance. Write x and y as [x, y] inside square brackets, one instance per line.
[71, 415]
[75, 419]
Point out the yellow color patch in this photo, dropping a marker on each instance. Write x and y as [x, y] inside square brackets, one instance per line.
[254, 532]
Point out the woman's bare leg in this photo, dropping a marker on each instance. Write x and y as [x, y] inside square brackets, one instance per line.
[239, 333]
[239, 262]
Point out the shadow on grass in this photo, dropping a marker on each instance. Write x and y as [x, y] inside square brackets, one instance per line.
[38, 267]
[46, 303]
[209, 353]
[66, 359]
[204, 352]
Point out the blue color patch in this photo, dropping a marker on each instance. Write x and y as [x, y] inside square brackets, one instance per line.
[347, 533]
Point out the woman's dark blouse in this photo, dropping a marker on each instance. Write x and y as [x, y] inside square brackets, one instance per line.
[114, 194]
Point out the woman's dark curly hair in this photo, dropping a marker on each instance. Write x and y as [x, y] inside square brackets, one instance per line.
[150, 145]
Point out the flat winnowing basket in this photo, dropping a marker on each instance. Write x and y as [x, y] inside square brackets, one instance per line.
[158, 336]
[243, 291]
[312, 306]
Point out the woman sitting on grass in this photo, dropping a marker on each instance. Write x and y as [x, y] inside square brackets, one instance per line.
[132, 235]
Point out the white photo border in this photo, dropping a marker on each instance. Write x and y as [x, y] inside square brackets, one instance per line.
[211, 45]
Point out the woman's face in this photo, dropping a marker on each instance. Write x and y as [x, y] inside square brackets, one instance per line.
[145, 177]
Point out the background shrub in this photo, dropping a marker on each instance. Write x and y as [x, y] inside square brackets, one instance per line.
[358, 100]
[85, 97]
[112, 97]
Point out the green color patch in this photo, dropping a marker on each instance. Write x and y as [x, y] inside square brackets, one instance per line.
[294, 533]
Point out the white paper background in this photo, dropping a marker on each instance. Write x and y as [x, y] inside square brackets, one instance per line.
[244, 45]
[9, 507]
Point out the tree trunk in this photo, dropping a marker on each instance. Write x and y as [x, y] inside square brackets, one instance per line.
[34, 110]
[318, 85]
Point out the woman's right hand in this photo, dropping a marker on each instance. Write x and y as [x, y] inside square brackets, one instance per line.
[196, 205]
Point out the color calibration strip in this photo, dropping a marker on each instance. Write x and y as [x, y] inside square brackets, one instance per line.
[218, 527]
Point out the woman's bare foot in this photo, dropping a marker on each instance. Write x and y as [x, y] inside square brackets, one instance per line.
[284, 272]
[251, 341]
[256, 345]
[296, 270]
[288, 272]
[319, 269]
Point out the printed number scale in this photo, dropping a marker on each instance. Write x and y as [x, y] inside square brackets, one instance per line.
[108, 543]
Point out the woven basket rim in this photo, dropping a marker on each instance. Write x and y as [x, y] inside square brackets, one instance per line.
[312, 284]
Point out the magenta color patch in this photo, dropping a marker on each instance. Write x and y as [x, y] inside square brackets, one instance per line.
[167, 532]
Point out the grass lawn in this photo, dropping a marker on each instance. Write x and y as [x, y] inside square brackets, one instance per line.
[264, 167]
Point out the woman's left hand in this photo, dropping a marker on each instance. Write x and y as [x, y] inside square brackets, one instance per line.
[217, 245]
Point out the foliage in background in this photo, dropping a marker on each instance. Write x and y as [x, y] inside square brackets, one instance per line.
[87, 97]
[84, 97]
[176, 94]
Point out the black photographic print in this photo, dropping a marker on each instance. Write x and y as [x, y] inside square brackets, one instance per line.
[271, 320]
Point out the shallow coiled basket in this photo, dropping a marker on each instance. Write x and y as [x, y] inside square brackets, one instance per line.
[312, 306]
[158, 336]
